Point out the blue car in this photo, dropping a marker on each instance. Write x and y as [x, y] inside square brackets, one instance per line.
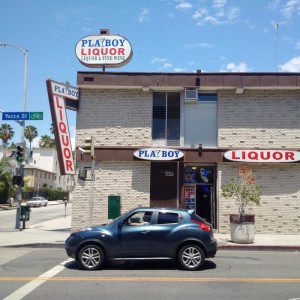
[145, 233]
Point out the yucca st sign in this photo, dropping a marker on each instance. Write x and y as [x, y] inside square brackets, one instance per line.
[263, 156]
[103, 50]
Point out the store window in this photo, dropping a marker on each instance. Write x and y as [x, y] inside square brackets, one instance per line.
[199, 174]
[200, 121]
[166, 119]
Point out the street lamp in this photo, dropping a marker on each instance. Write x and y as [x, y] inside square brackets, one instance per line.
[22, 123]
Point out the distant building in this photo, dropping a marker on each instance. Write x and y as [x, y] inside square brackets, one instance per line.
[41, 169]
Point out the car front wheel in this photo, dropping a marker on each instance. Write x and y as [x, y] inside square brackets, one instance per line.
[191, 257]
[91, 257]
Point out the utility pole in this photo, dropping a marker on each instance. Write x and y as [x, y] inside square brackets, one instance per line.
[22, 123]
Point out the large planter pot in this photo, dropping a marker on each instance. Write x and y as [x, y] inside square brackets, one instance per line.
[242, 229]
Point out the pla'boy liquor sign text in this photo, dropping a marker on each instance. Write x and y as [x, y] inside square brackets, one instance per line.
[103, 50]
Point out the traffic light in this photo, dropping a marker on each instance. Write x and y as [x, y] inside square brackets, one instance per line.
[89, 147]
[20, 153]
[17, 180]
[82, 174]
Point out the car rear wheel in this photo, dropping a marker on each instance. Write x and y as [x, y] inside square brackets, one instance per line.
[191, 257]
[91, 257]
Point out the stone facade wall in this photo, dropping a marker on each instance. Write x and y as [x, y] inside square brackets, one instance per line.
[279, 212]
[262, 118]
[130, 180]
[267, 119]
[114, 117]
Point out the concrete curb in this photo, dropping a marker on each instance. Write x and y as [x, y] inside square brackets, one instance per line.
[37, 245]
[251, 247]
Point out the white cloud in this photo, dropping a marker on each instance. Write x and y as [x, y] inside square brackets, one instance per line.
[232, 67]
[217, 4]
[197, 45]
[179, 70]
[167, 66]
[184, 6]
[158, 60]
[144, 15]
[292, 65]
[292, 6]
[218, 14]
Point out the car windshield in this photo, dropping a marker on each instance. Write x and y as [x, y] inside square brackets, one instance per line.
[36, 199]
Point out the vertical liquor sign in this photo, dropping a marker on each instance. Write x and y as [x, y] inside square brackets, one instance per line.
[58, 94]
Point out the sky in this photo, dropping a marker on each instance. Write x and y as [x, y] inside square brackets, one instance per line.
[165, 35]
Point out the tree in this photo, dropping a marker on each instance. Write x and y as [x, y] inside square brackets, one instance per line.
[7, 189]
[46, 142]
[52, 129]
[30, 133]
[6, 133]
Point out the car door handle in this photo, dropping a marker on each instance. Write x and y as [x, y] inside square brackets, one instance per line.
[145, 232]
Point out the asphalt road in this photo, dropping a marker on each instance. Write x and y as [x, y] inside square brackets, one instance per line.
[37, 215]
[48, 274]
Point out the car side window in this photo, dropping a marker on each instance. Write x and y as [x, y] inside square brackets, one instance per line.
[139, 218]
[168, 218]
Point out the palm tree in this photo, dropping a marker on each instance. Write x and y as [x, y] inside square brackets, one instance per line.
[30, 133]
[6, 133]
[46, 142]
[51, 129]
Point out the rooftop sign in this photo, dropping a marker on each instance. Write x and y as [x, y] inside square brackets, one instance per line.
[103, 50]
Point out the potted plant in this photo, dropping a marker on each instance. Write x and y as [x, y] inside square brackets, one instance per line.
[245, 192]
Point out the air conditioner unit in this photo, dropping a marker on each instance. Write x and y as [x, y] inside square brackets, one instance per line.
[191, 96]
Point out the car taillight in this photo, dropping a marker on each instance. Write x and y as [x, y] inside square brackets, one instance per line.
[203, 226]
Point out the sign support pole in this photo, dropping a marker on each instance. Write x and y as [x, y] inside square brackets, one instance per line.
[92, 192]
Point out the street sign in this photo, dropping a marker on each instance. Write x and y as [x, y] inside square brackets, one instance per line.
[20, 116]
[15, 116]
[36, 116]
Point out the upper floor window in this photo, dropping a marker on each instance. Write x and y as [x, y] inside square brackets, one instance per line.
[166, 119]
[200, 121]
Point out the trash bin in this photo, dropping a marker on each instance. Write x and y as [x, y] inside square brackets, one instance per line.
[25, 213]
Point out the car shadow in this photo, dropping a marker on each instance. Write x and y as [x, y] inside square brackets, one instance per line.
[142, 265]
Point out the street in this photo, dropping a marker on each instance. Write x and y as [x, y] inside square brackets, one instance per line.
[37, 215]
[48, 274]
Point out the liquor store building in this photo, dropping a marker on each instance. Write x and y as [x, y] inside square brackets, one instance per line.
[173, 139]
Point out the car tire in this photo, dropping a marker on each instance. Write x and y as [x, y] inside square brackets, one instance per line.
[91, 257]
[191, 257]
[45, 204]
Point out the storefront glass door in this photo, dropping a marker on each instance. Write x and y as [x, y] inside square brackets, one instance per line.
[199, 191]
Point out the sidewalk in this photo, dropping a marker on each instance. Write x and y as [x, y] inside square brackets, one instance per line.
[53, 233]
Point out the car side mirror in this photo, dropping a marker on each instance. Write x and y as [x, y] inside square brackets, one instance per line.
[120, 224]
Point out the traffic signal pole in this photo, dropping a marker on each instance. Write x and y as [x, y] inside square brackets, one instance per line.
[89, 148]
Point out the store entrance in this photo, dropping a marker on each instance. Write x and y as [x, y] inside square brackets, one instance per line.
[204, 203]
[199, 191]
